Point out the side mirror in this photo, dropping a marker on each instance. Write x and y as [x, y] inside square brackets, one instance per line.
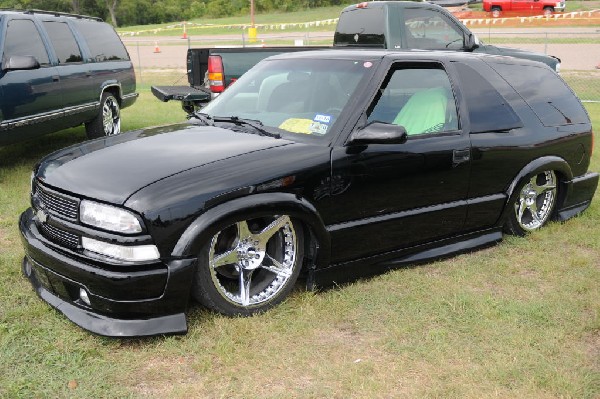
[472, 42]
[379, 133]
[20, 62]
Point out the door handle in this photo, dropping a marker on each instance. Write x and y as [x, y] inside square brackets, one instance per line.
[461, 156]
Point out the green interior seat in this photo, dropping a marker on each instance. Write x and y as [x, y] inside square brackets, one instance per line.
[424, 112]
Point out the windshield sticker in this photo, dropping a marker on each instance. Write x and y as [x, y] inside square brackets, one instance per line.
[320, 124]
[297, 125]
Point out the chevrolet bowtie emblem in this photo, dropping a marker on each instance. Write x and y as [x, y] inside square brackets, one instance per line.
[42, 216]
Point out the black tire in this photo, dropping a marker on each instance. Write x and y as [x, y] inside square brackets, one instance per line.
[496, 11]
[108, 120]
[532, 204]
[548, 11]
[266, 253]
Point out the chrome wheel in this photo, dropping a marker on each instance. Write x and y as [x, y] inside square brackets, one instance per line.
[111, 116]
[252, 261]
[536, 201]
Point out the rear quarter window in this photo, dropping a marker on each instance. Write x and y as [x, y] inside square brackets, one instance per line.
[545, 92]
[488, 110]
[102, 40]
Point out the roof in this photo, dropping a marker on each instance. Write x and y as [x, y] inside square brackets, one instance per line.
[407, 55]
[396, 4]
[47, 13]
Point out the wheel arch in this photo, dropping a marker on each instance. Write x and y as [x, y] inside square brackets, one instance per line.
[560, 167]
[317, 240]
[114, 88]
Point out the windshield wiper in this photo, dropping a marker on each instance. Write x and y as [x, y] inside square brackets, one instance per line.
[255, 124]
[204, 118]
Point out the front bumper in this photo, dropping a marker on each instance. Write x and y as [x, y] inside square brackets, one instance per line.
[123, 301]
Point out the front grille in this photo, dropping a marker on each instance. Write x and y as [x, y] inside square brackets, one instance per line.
[56, 203]
[60, 236]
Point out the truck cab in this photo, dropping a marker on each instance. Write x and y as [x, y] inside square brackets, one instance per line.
[411, 25]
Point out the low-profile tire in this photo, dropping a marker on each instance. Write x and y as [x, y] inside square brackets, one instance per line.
[496, 12]
[249, 266]
[108, 120]
[532, 204]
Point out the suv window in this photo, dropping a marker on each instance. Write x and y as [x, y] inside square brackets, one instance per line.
[63, 41]
[488, 110]
[353, 23]
[545, 92]
[23, 38]
[418, 98]
[430, 30]
[103, 41]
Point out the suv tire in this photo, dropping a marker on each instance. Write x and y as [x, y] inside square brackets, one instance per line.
[108, 120]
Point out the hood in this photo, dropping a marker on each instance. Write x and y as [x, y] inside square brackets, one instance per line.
[112, 169]
[549, 60]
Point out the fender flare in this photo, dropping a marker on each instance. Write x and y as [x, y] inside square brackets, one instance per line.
[203, 228]
[554, 163]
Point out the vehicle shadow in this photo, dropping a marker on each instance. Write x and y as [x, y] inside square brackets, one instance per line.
[31, 151]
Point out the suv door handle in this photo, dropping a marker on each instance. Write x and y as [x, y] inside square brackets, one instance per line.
[461, 156]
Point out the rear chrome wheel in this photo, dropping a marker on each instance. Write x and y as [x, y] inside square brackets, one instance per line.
[250, 266]
[108, 120]
[534, 205]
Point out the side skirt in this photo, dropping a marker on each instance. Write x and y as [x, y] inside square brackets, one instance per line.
[341, 273]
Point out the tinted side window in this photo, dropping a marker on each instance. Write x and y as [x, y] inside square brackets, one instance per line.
[488, 110]
[430, 30]
[23, 38]
[545, 92]
[102, 40]
[418, 98]
[363, 26]
[63, 41]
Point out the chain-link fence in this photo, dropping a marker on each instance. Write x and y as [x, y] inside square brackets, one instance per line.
[578, 49]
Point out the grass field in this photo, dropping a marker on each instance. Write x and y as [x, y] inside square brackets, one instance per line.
[519, 320]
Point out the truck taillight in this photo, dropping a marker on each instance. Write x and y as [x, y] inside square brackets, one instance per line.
[215, 74]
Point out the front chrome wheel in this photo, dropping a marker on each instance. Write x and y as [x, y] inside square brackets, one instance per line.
[251, 265]
[536, 201]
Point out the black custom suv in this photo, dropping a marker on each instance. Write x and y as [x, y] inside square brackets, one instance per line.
[59, 71]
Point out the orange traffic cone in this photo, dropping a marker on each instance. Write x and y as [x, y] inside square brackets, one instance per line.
[184, 32]
[156, 48]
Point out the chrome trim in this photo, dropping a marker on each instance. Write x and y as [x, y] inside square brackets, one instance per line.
[132, 95]
[40, 118]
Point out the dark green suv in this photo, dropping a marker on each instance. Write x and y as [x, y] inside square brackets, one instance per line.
[59, 71]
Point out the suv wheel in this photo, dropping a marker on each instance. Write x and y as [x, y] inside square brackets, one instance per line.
[108, 120]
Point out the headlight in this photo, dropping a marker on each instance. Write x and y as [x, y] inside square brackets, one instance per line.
[558, 68]
[136, 253]
[108, 218]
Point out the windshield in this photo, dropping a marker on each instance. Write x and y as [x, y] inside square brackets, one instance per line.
[303, 96]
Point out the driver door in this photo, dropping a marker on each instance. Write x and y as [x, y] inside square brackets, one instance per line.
[400, 195]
